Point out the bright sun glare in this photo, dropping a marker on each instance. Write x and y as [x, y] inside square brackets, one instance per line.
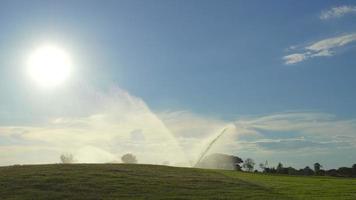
[49, 66]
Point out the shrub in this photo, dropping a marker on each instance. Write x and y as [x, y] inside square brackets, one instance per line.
[129, 158]
[67, 158]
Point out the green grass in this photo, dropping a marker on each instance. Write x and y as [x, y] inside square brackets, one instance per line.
[121, 181]
[301, 187]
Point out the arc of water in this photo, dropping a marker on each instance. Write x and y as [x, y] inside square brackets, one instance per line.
[202, 155]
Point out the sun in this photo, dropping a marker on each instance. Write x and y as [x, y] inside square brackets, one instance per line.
[49, 66]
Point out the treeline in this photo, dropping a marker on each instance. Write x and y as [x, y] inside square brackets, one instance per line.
[231, 162]
[308, 171]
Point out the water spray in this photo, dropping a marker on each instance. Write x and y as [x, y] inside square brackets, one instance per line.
[203, 154]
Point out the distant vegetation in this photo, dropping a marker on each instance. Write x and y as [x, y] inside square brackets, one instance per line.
[129, 158]
[248, 164]
[67, 158]
[307, 171]
[230, 162]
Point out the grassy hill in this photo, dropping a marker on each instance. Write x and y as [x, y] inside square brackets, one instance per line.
[121, 181]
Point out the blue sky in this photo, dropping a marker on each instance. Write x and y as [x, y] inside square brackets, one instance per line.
[217, 62]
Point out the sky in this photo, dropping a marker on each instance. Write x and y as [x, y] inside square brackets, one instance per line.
[148, 75]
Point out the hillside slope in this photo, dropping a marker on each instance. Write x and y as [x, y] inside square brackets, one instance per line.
[121, 181]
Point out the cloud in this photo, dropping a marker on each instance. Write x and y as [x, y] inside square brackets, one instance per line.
[307, 123]
[314, 130]
[294, 58]
[297, 139]
[337, 12]
[299, 144]
[331, 43]
[322, 48]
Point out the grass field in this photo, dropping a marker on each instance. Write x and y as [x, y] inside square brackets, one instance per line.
[122, 181]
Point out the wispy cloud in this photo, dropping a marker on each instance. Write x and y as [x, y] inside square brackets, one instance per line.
[294, 58]
[288, 132]
[308, 124]
[337, 12]
[322, 48]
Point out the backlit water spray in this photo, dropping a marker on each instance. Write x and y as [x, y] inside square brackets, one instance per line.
[206, 150]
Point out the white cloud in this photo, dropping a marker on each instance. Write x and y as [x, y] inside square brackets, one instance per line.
[322, 48]
[337, 12]
[294, 58]
[298, 139]
[308, 124]
[331, 43]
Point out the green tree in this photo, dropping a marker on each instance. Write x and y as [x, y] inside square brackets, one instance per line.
[317, 168]
[292, 171]
[354, 169]
[307, 171]
[129, 158]
[248, 164]
[279, 168]
[67, 158]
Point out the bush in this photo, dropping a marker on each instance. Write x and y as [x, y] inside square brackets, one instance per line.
[67, 158]
[129, 158]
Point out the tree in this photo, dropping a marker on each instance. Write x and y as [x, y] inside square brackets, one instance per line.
[279, 168]
[307, 171]
[354, 170]
[129, 158]
[249, 164]
[344, 171]
[67, 158]
[317, 168]
[292, 171]
[331, 172]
